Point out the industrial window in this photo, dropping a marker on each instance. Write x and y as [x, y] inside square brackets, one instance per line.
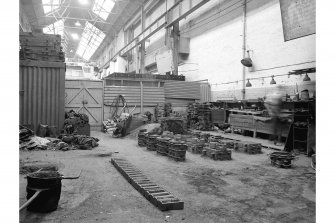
[90, 41]
[50, 5]
[103, 7]
[55, 28]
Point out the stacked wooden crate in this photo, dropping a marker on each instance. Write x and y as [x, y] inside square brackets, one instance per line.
[141, 138]
[177, 150]
[41, 47]
[217, 151]
[151, 143]
[248, 147]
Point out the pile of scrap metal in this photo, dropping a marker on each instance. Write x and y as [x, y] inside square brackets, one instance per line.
[118, 124]
[199, 116]
[174, 124]
[29, 141]
[74, 121]
[162, 110]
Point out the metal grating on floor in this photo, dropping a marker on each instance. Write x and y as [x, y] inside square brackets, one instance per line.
[158, 196]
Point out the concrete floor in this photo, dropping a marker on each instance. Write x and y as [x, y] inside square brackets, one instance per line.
[245, 189]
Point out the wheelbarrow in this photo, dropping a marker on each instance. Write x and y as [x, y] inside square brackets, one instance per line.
[43, 190]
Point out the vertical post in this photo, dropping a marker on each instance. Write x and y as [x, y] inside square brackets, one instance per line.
[244, 46]
[141, 82]
[142, 46]
[137, 59]
[175, 49]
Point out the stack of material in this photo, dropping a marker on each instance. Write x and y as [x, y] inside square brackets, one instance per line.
[192, 119]
[205, 136]
[159, 111]
[199, 116]
[141, 138]
[76, 123]
[42, 47]
[227, 143]
[163, 110]
[198, 147]
[217, 151]
[177, 150]
[215, 138]
[248, 147]
[282, 159]
[167, 109]
[25, 134]
[151, 143]
[162, 145]
[173, 124]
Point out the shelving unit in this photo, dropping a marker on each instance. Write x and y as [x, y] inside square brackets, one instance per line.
[297, 139]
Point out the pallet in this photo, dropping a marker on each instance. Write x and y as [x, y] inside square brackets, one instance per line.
[157, 195]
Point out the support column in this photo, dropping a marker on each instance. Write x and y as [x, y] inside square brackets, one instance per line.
[244, 46]
[142, 46]
[141, 82]
[175, 48]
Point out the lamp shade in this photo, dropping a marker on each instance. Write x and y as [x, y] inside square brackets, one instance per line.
[247, 62]
[306, 78]
[273, 80]
[248, 84]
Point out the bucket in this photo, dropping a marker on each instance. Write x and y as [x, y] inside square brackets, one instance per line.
[50, 185]
[304, 95]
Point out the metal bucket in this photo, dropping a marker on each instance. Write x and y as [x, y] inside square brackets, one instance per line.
[50, 185]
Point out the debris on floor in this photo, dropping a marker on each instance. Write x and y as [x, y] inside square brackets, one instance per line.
[35, 142]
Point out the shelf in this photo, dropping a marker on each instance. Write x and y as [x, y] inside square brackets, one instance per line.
[305, 128]
[304, 141]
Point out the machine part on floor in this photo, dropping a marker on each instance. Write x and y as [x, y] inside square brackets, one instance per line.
[158, 196]
[282, 159]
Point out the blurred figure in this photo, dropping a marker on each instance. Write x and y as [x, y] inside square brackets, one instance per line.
[273, 104]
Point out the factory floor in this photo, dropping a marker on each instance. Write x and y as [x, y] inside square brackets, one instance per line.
[245, 189]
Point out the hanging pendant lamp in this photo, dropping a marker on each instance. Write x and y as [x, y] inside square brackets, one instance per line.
[248, 84]
[306, 78]
[273, 80]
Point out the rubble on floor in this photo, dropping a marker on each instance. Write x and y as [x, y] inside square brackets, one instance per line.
[64, 142]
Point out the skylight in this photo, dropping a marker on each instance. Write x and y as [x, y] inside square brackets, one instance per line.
[55, 28]
[90, 41]
[50, 5]
[103, 7]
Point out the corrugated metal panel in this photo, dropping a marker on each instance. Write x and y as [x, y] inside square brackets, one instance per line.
[151, 95]
[179, 102]
[182, 89]
[130, 93]
[205, 92]
[42, 93]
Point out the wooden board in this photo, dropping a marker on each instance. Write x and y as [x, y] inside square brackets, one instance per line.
[298, 18]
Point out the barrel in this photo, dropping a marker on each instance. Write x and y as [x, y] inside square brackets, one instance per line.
[50, 183]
